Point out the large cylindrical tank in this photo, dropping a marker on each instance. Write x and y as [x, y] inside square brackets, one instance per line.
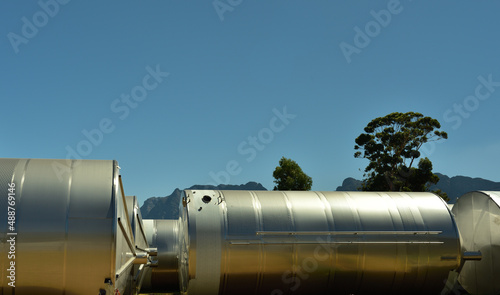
[136, 222]
[162, 234]
[68, 230]
[478, 218]
[248, 242]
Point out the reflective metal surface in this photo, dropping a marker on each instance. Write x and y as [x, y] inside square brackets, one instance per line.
[140, 241]
[72, 234]
[243, 242]
[75, 233]
[163, 235]
[136, 223]
[478, 217]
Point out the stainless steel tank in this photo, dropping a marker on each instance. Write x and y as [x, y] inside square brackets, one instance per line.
[165, 237]
[136, 223]
[244, 242]
[70, 231]
[478, 218]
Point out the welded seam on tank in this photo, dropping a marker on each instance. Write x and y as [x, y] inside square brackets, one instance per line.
[406, 217]
[294, 253]
[478, 220]
[458, 242]
[224, 249]
[394, 213]
[422, 249]
[360, 262]
[330, 221]
[257, 208]
[414, 210]
[66, 226]
[405, 214]
[455, 210]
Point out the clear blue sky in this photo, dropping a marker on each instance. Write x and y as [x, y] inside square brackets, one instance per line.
[183, 89]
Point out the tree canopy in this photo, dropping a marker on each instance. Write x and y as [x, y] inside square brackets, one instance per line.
[391, 144]
[289, 176]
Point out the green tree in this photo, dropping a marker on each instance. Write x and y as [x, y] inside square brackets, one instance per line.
[289, 176]
[392, 144]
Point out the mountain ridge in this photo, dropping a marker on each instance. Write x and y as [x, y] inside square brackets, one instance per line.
[454, 186]
[168, 207]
